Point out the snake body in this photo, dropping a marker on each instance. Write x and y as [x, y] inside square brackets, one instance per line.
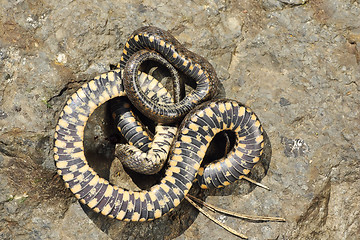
[192, 139]
[191, 64]
[145, 154]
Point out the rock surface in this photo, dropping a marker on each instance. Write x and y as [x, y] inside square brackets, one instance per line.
[295, 63]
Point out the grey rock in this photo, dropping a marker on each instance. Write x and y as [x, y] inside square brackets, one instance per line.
[303, 52]
[295, 147]
[4, 190]
[284, 102]
[271, 5]
[294, 2]
[10, 206]
[3, 115]
[77, 225]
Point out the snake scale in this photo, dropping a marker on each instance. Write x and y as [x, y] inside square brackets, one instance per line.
[201, 123]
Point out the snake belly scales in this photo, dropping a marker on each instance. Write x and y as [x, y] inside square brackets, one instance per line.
[192, 139]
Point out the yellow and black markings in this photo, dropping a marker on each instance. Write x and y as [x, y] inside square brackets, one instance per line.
[189, 147]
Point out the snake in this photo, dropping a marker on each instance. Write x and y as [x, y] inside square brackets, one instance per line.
[197, 129]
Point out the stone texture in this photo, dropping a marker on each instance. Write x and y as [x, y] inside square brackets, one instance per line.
[295, 63]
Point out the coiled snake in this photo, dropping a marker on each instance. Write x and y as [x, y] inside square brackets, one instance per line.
[193, 136]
